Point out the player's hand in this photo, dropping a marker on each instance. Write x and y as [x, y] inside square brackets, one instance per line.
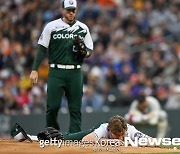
[34, 77]
[80, 47]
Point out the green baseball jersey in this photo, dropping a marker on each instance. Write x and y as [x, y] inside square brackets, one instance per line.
[57, 37]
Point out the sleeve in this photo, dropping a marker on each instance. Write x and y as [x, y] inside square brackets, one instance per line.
[153, 115]
[134, 115]
[88, 41]
[134, 106]
[39, 57]
[133, 132]
[154, 103]
[45, 37]
[101, 132]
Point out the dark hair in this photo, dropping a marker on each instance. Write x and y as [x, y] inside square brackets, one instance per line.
[117, 124]
[62, 4]
[141, 98]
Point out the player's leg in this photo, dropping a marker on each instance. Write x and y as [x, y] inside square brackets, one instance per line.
[162, 124]
[79, 135]
[76, 136]
[55, 91]
[74, 92]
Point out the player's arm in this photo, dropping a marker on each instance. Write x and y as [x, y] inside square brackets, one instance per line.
[100, 135]
[152, 117]
[93, 138]
[38, 59]
[88, 43]
[90, 137]
[43, 44]
[134, 115]
[96, 134]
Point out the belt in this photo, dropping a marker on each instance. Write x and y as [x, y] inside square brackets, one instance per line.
[68, 67]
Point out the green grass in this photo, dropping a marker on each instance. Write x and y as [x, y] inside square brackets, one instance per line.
[170, 146]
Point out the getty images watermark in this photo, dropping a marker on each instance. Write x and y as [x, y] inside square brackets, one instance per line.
[99, 145]
[111, 145]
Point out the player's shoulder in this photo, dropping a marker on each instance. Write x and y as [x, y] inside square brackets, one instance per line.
[152, 99]
[131, 130]
[81, 24]
[134, 104]
[102, 128]
[130, 126]
[53, 23]
[104, 125]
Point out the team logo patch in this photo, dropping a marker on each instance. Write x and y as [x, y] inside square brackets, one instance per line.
[138, 135]
[71, 2]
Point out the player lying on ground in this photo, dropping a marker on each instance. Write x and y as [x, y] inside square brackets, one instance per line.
[116, 129]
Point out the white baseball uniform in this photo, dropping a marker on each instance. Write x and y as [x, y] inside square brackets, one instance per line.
[152, 114]
[132, 132]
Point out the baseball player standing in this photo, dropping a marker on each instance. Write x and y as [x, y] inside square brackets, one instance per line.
[68, 42]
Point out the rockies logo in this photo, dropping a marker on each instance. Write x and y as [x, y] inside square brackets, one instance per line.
[138, 135]
[71, 2]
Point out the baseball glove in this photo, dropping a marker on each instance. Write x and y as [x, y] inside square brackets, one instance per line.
[50, 133]
[80, 47]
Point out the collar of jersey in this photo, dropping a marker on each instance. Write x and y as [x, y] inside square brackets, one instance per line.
[73, 23]
[69, 24]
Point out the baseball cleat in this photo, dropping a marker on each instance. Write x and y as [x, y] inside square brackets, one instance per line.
[18, 133]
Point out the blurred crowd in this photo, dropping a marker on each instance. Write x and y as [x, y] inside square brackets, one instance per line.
[136, 50]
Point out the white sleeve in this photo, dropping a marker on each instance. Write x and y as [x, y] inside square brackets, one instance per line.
[133, 132]
[153, 103]
[44, 39]
[134, 106]
[101, 132]
[88, 40]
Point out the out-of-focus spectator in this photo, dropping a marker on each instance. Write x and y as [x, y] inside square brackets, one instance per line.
[125, 73]
[162, 95]
[92, 100]
[89, 11]
[11, 105]
[111, 77]
[96, 78]
[2, 105]
[38, 106]
[125, 96]
[173, 101]
[24, 81]
[22, 98]
[136, 48]
[110, 94]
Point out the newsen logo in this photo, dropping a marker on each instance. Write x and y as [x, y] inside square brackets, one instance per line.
[151, 141]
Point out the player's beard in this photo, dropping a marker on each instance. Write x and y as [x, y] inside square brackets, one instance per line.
[69, 19]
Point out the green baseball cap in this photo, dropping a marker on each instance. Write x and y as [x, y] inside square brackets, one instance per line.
[18, 133]
[69, 4]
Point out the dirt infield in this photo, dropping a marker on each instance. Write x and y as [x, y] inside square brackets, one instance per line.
[8, 146]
